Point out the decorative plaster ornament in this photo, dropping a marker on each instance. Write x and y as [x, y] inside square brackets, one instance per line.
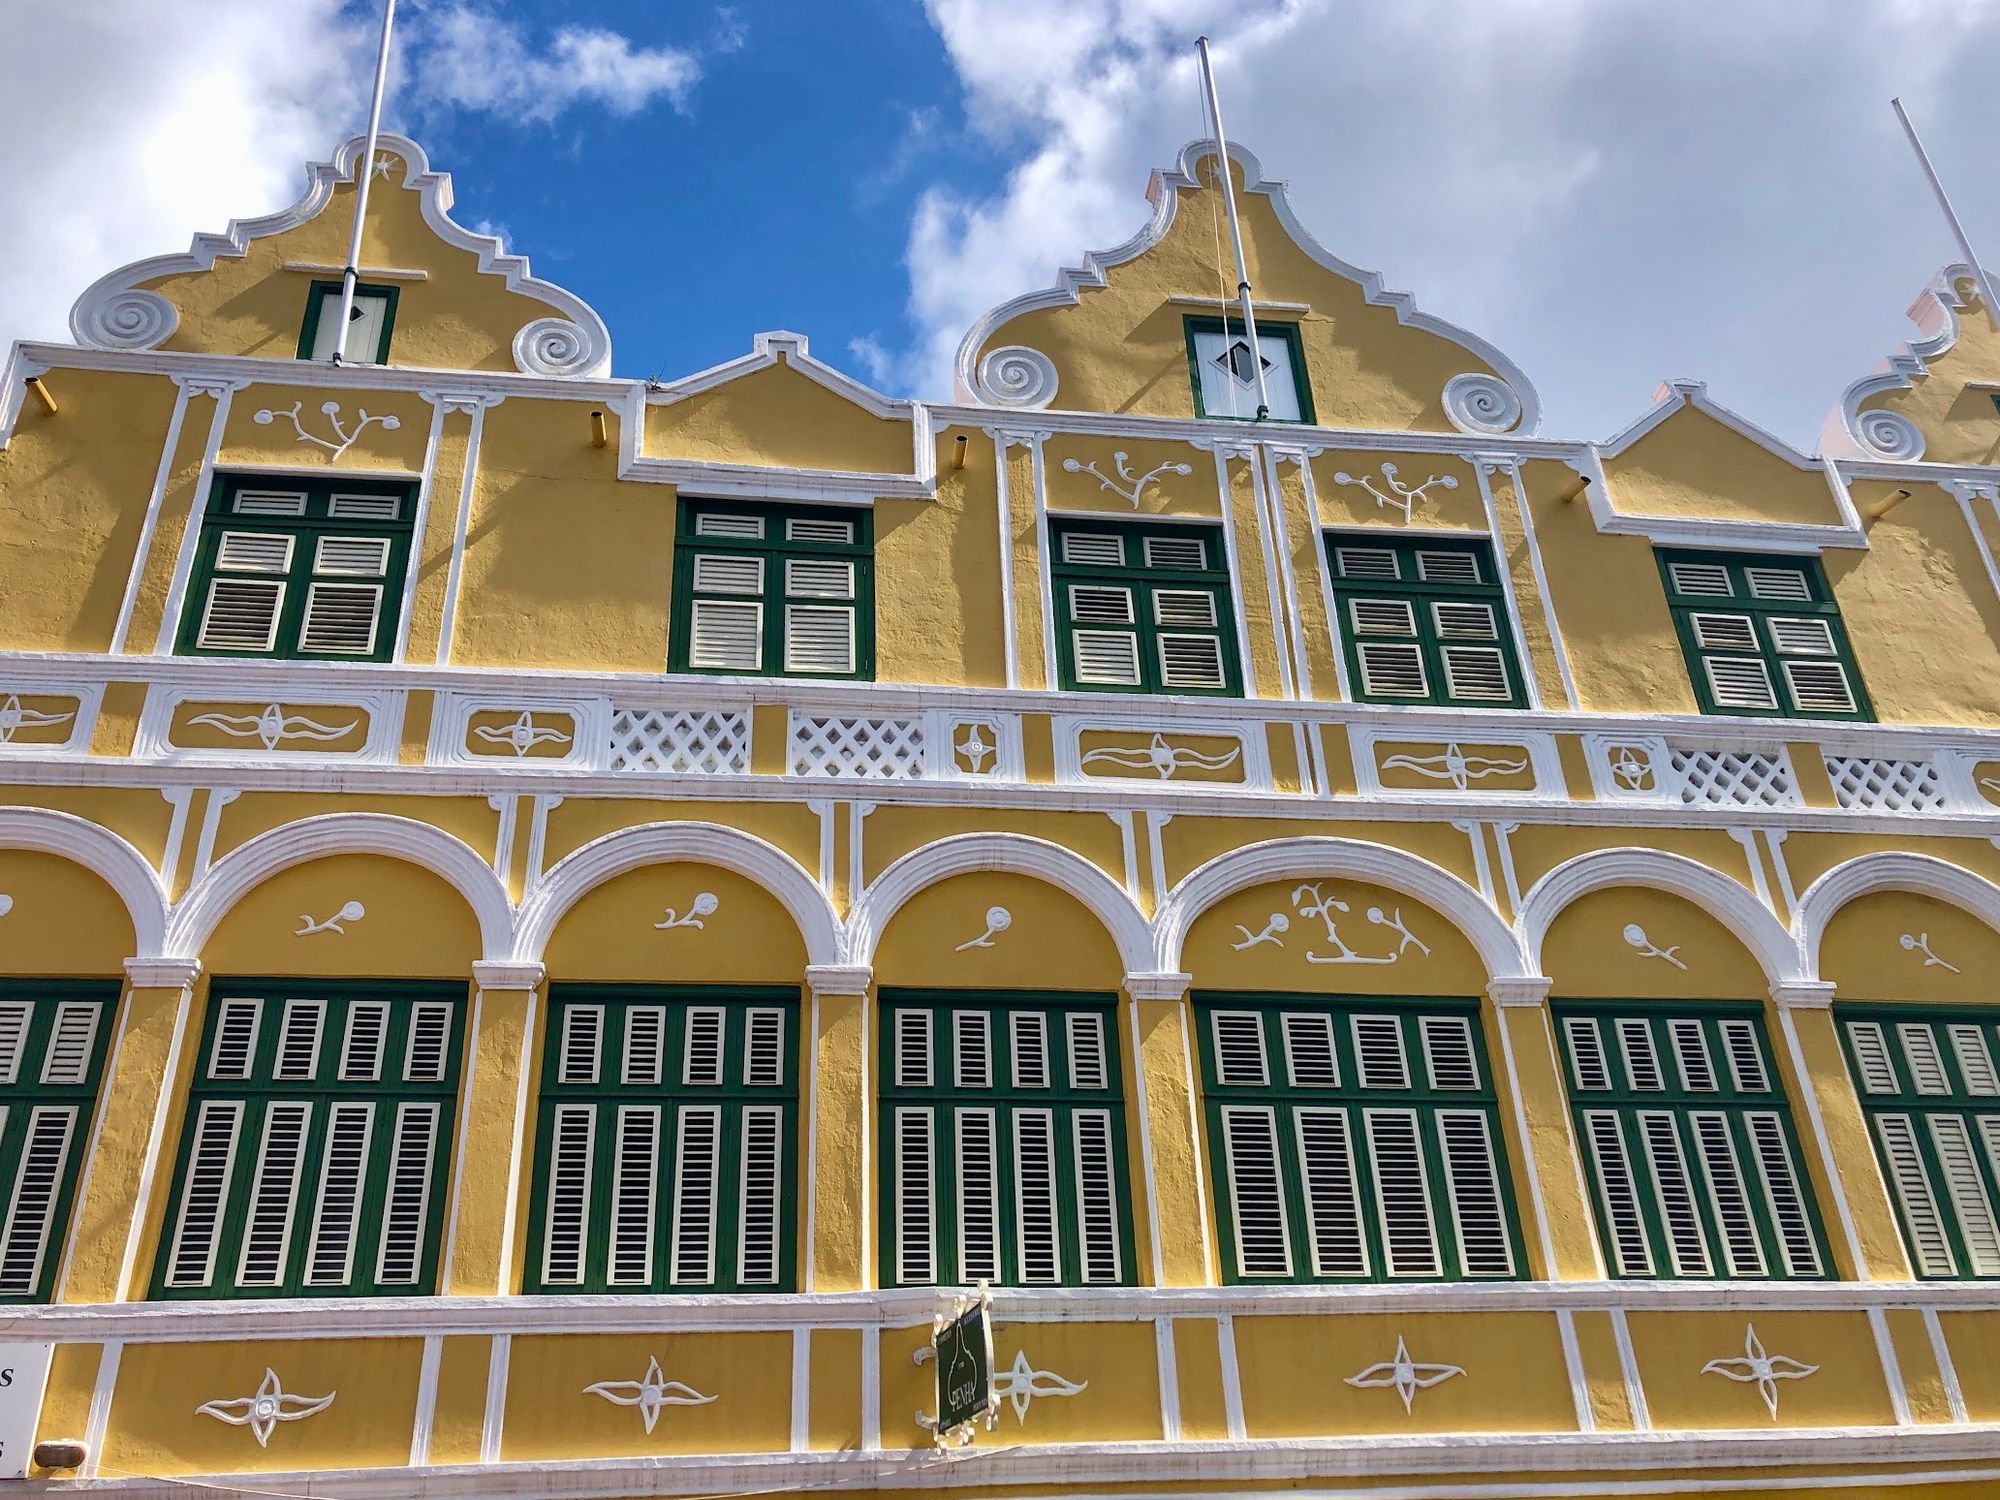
[1021, 1384]
[273, 726]
[1921, 943]
[1128, 486]
[1402, 498]
[1323, 908]
[14, 718]
[522, 735]
[998, 920]
[266, 1409]
[1164, 760]
[6, 904]
[1455, 766]
[705, 905]
[973, 746]
[1403, 1375]
[1279, 923]
[1482, 403]
[650, 1394]
[342, 439]
[1017, 377]
[1636, 939]
[1760, 1369]
[353, 911]
[1632, 768]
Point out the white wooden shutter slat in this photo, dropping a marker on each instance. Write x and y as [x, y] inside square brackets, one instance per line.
[642, 1060]
[1788, 584]
[31, 1207]
[764, 1048]
[566, 1208]
[1975, 1060]
[1472, 1181]
[1332, 1192]
[978, 1155]
[1379, 1052]
[726, 573]
[1923, 1216]
[1458, 621]
[357, 507]
[1705, 580]
[1176, 552]
[1093, 549]
[1402, 1193]
[819, 638]
[1673, 1194]
[1642, 1059]
[1739, 681]
[1097, 1198]
[1256, 1197]
[205, 1195]
[1447, 567]
[1820, 687]
[1611, 1163]
[819, 532]
[697, 1170]
[363, 1045]
[1802, 637]
[818, 578]
[1106, 657]
[1742, 1251]
[241, 614]
[1184, 609]
[343, 1168]
[1872, 1057]
[582, 1053]
[1191, 661]
[1476, 674]
[1449, 1057]
[913, 1049]
[1035, 1209]
[737, 528]
[1714, 632]
[1392, 669]
[761, 1193]
[352, 556]
[1089, 1059]
[1696, 1067]
[300, 1026]
[1364, 562]
[1310, 1060]
[1100, 604]
[1029, 1035]
[635, 1178]
[726, 636]
[274, 1194]
[701, 1061]
[14, 1018]
[429, 1042]
[1959, 1166]
[916, 1223]
[1240, 1060]
[268, 503]
[406, 1211]
[1925, 1062]
[1590, 1070]
[235, 1043]
[971, 1049]
[1747, 1068]
[341, 618]
[72, 1039]
[255, 551]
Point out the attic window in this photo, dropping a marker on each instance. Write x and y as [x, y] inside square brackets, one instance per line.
[1236, 360]
[369, 324]
[1224, 373]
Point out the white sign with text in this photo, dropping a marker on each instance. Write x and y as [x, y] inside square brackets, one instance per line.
[24, 1375]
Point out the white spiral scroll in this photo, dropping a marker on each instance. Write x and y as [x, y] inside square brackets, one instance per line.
[1016, 376]
[1887, 434]
[1482, 403]
[556, 347]
[131, 319]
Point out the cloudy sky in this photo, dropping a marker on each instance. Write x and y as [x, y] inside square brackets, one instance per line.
[1614, 191]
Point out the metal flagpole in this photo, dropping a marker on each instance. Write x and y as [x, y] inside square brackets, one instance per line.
[364, 174]
[1951, 215]
[1235, 229]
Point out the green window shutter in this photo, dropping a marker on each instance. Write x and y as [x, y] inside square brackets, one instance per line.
[53, 1039]
[317, 1147]
[773, 591]
[1355, 1140]
[1004, 1132]
[1931, 1090]
[299, 569]
[369, 325]
[1762, 636]
[1688, 1144]
[1224, 382]
[1423, 620]
[666, 1149]
[1143, 608]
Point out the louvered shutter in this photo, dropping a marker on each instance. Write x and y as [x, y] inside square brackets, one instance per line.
[274, 1190]
[1742, 1252]
[1402, 1193]
[204, 1193]
[1332, 1193]
[764, 1048]
[1958, 1164]
[1106, 658]
[701, 1063]
[635, 1176]
[978, 1154]
[566, 1216]
[364, 1042]
[1798, 1244]
[758, 1203]
[1035, 1208]
[1089, 1066]
[341, 619]
[1589, 1070]
[429, 1042]
[1191, 661]
[299, 1038]
[31, 1208]
[14, 1018]
[406, 1211]
[1612, 1166]
[1256, 1196]
[913, 1048]
[727, 636]
[343, 1168]
[1310, 1061]
[1097, 1197]
[1478, 1206]
[1239, 1048]
[1448, 1054]
[1673, 1194]
[1871, 1057]
[1923, 1218]
[1030, 1049]
[1975, 1061]
[696, 1171]
[1378, 1048]
[819, 639]
[235, 1042]
[972, 1049]
[916, 1229]
[642, 1062]
[1642, 1060]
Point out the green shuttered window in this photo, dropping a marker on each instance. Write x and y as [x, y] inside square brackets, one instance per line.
[299, 569]
[1762, 636]
[53, 1037]
[1354, 1140]
[369, 323]
[1003, 1141]
[1930, 1087]
[317, 1144]
[1688, 1142]
[773, 590]
[1423, 621]
[1143, 609]
[666, 1157]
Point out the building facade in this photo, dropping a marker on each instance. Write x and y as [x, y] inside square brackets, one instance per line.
[548, 921]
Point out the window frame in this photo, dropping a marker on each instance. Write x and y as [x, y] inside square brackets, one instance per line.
[1422, 593]
[316, 304]
[671, 1094]
[1144, 584]
[1355, 1101]
[1821, 606]
[1287, 333]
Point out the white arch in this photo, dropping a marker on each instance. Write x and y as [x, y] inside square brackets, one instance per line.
[1008, 853]
[105, 855]
[232, 877]
[628, 849]
[1352, 859]
[1922, 874]
[1728, 901]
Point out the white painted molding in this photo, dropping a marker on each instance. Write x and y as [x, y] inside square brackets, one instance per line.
[1157, 986]
[487, 974]
[82, 723]
[583, 870]
[1540, 758]
[162, 973]
[1158, 764]
[1803, 994]
[1923, 874]
[104, 854]
[263, 734]
[1013, 853]
[794, 351]
[1525, 991]
[1880, 434]
[1337, 859]
[839, 979]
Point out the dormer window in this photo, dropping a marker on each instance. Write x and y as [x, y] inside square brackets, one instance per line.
[1225, 375]
[369, 324]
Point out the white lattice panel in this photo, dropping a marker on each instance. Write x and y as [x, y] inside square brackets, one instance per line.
[689, 742]
[1732, 778]
[1867, 784]
[874, 749]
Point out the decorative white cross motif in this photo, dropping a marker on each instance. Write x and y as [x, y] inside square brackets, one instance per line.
[1021, 1383]
[1134, 485]
[353, 911]
[266, 1409]
[1455, 766]
[1636, 939]
[1760, 1369]
[14, 718]
[273, 726]
[649, 1394]
[1323, 907]
[384, 165]
[342, 439]
[1403, 1375]
[522, 735]
[1402, 498]
[1164, 760]
[998, 920]
[1631, 768]
[972, 746]
[1921, 943]
[705, 905]
[1279, 923]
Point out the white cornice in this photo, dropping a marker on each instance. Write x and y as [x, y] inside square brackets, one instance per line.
[794, 351]
[1848, 432]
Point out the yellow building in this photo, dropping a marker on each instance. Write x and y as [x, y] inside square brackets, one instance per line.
[547, 920]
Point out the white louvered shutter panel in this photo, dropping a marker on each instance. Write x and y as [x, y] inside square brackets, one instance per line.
[1383, 617]
[298, 1039]
[343, 1167]
[1392, 669]
[764, 1048]
[1332, 1193]
[726, 636]
[356, 507]
[14, 1017]
[737, 528]
[1714, 632]
[1746, 1057]
[819, 638]
[429, 1043]
[1588, 1067]
[268, 503]
[1097, 1197]
[205, 1194]
[820, 532]
[1673, 1194]
[916, 1228]
[1871, 1057]
[241, 614]
[757, 1248]
[31, 1208]
[642, 1061]
[971, 1049]
[1477, 674]
[1030, 1031]
[235, 1042]
[274, 1193]
[1448, 1054]
[1697, 1069]
[1402, 1193]
[1379, 1054]
[1975, 1060]
[727, 573]
[1093, 550]
[1310, 1062]
[582, 1044]
[1100, 604]
[1447, 567]
[1922, 1215]
[1958, 1163]
[1089, 1062]
[1785, 1193]
[1742, 1254]
[701, 1061]
[1820, 687]
[913, 1049]
[1176, 552]
[635, 1176]
[1256, 1194]
[341, 619]
[363, 1043]
[1364, 562]
[1035, 1209]
[1642, 1060]
[1106, 657]
[1191, 661]
[1473, 1180]
[1787, 584]
[1802, 637]
[1925, 1062]
[71, 1041]
[978, 1151]
[406, 1214]
[696, 1183]
[1184, 609]
[1460, 621]
[818, 578]
[1700, 579]
[1612, 1163]
[1239, 1049]
[352, 556]
[1739, 681]
[566, 1216]
[254, 552]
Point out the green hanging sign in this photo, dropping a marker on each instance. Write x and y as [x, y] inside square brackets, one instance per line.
[962, 1346]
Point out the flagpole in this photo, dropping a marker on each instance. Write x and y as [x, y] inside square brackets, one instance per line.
[1951, 214]
[364, 172]
[1214, 105]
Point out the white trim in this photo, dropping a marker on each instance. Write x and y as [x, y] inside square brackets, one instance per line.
[1167, 1359]
[780, 348]
[1544, 1235]
[499, 1356]
[1935, 314]
[420, 516]
[1232, 1378]
[219, 797]
[1895, 870]
[1947, 1371]
[461, 521]
[1563, 672]
[1808, 1093]
[871, 1390]
[1045, 557]
[1759, 882]
[1233, 564]
[801, 1389]
[1483, 466]
[1151, 1179]
[224, 393]
[98, 1422]
[1068, 730]
[523, 1093]
[1258, 458]
[1199, 1136]
[105, 855]
[380, 711]
[467, 1069]
[426, 1414]
[1579, 1381]
[1342, 688]
[1544, 763]
[1003, 506]
[142, 549]
[1892, 1368]
[1628, 1364]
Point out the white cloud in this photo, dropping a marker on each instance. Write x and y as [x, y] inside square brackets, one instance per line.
[1612, 191]
[472, 58]
[876, 363]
